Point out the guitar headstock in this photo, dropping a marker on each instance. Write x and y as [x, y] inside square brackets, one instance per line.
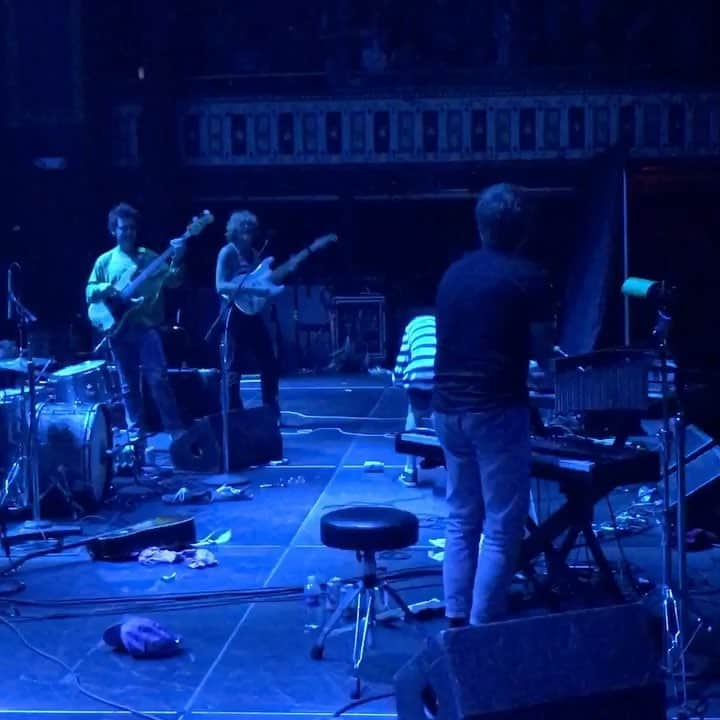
[198, 224]
[323, 241]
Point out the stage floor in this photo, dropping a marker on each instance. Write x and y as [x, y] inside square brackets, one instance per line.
[250, 659]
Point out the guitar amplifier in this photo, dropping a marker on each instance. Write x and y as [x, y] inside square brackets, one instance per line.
[357, 325]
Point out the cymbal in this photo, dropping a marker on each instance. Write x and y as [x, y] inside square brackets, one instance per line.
[20, 365]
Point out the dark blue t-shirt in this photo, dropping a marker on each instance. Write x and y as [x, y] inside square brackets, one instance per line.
[485, 306]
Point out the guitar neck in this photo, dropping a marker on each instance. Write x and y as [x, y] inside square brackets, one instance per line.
[147, 272]
[282, 271]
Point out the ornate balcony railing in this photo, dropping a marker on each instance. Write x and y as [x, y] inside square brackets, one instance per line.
[218, 132]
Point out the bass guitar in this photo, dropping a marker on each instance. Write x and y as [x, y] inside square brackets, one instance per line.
[133, 289]
[264, 282]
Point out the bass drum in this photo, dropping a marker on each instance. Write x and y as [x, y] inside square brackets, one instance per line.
[74, 459]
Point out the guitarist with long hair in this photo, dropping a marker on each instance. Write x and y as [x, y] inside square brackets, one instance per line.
[137, 346]
[246, 333]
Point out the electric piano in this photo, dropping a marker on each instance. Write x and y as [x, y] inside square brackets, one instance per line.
[564, 460]
[585, 471]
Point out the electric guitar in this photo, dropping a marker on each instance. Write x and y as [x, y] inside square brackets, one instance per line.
[134, 289]
[264, 282]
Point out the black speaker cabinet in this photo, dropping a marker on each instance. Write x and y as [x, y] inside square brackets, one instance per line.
[254, 439]
[702, 477]
[592, 664]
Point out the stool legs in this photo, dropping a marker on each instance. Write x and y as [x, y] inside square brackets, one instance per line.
[332, 622]
[365, 599]
[367, 594]
[364, 595]
[395, 595]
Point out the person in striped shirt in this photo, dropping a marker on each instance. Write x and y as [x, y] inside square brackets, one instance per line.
[414, 370]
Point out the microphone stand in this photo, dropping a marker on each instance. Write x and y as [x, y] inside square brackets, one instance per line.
[671, 624]
[224, 316]
[674, 594]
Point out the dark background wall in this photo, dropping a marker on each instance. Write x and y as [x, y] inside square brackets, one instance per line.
[58, 95]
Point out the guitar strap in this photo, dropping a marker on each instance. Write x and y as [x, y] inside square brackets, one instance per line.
[246, 266]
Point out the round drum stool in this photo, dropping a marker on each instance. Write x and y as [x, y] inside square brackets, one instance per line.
[366, 531]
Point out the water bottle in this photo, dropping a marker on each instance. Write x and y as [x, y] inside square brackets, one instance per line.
[332, 594]
[314, 605]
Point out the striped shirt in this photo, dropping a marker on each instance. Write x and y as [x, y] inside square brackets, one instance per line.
[415, 363]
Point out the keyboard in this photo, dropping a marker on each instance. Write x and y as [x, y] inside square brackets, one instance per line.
[561, 459]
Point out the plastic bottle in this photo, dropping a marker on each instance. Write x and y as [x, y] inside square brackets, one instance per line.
[332, 593]
[314, 605]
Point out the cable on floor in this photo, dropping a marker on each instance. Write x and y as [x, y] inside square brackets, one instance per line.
[342, 417]
[307, 431]
[74, 676]
[363, 701]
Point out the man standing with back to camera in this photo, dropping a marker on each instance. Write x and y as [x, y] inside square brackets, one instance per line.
[493, 313]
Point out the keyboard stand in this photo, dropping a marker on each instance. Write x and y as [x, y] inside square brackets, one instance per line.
[573, 519]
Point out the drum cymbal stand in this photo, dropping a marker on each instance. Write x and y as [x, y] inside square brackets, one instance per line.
[28, 463]
[31, 453]
[35, 529]
[28, 457]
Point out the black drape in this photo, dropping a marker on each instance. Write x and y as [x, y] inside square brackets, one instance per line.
[593, 255]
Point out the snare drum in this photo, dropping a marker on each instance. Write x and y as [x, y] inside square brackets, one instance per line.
[86, 382]
[73, 457]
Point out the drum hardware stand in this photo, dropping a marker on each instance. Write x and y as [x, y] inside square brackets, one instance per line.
[8, 586]
[35, 529]
[13, 478]
[29, 458]
[28, 463]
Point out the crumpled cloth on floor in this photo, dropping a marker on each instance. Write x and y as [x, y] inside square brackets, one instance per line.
[187, 496]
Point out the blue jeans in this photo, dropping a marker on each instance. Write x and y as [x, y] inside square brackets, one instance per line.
[488, 494]
[419, 404]
[138, 353]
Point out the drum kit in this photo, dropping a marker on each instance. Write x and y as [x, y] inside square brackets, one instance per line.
[55, 437]
[56, 440]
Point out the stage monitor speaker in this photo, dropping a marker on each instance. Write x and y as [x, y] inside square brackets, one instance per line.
[254, 439]
[702, 478]
[591, 664]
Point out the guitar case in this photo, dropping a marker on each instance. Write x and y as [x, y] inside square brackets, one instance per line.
[172, 532]
[255, 439]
